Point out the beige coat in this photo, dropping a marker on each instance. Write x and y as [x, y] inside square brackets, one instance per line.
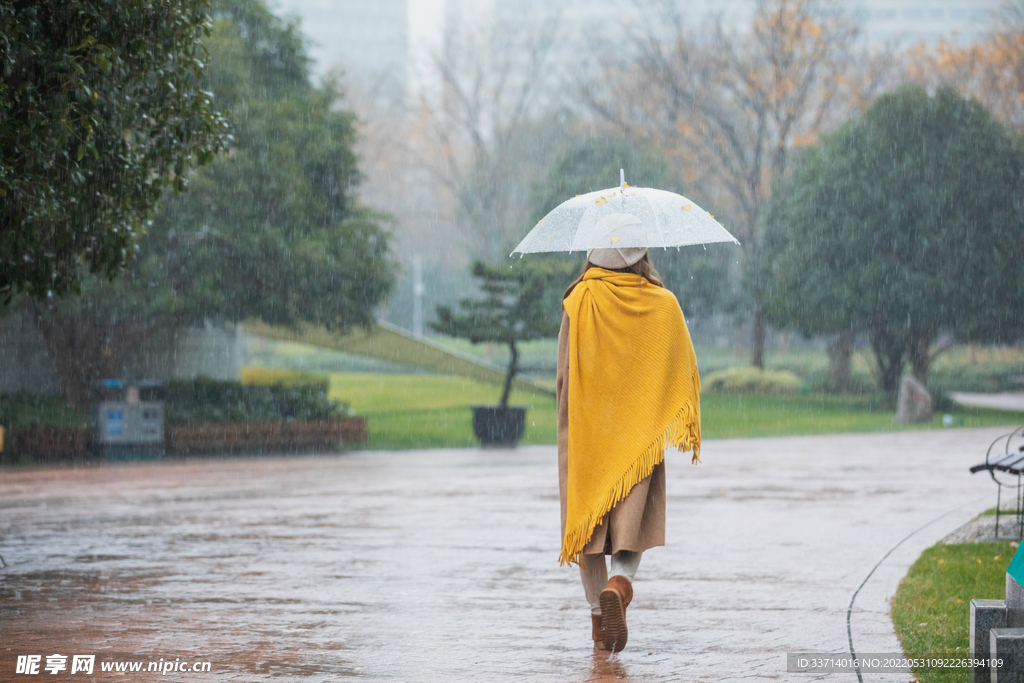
[638, 521]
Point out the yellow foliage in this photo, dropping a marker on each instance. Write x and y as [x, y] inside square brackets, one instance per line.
[805, 139]
[279, 376]
[751, 380]
[989, 71]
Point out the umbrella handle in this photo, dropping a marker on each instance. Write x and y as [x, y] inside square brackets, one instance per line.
[622, 177]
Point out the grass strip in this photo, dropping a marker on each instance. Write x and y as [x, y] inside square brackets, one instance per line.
[931, 608]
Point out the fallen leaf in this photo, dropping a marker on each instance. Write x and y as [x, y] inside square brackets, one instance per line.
[616, 238]
[687, 207]
[600, 201]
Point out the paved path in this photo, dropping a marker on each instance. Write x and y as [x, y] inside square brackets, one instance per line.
[1006, 400]
[441, 565]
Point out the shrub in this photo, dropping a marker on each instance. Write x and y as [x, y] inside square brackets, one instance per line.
[206, 400]
[24, 410]
[752, 380]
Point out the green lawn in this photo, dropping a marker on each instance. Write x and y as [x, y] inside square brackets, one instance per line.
[747, 415]
[432, 411]
[410, 409]
[931, 608]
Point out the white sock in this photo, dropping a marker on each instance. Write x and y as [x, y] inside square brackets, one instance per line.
[625, 563]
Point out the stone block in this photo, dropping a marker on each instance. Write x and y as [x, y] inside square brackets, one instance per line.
[1007, 644]
[985, 616]
[915, 403]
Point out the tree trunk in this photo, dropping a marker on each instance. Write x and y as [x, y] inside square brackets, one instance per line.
[757, 347]
[739, 345]
[513, 368]
[920, 360]
[85, 350]
[889, 350]
[840, 350]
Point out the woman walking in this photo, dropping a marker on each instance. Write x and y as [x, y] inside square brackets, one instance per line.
[627, 388]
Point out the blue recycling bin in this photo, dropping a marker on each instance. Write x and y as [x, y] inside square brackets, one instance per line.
[129, 420]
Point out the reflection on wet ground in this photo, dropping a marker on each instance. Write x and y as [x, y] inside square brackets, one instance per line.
[606, 668]
[442, 565]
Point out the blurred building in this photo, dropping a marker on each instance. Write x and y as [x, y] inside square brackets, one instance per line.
[381, 46]
[387, 44]
[368, 40]
[213, 351]
[906, 22]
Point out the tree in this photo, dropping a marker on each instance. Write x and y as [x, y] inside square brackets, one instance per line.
[272, 231]
[490, 127]
[514, 310]
[102, 107]
[277, 231]
[729, 107]
[904, 224]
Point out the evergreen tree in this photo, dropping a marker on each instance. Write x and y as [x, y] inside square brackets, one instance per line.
[103, 105]
[905, 224]
[272, 230]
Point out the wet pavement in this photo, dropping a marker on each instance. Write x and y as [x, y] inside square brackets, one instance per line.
[442, 565]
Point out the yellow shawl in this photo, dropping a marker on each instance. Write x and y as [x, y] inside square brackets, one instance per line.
[633, 390]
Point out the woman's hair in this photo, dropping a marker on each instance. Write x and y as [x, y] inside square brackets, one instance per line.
[643, 268]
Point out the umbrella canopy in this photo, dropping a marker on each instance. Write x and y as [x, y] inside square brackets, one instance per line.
[624, 216]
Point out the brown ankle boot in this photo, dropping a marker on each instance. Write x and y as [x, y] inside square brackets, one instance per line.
[595, 620]
[614, 599]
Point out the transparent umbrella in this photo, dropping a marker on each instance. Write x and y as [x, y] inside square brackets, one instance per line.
[624, 216]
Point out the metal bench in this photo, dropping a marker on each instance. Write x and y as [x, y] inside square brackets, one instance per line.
[1005, 455]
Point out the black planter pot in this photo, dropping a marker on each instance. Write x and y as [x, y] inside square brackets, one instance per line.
[498, 427]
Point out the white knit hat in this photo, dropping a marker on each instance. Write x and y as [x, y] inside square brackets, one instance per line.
[609, 230]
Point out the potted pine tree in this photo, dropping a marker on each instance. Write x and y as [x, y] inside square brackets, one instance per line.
[514, 310]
